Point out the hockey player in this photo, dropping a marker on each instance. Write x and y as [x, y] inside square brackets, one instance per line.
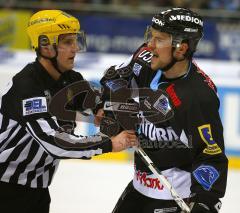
[31, 139]
[196, 165]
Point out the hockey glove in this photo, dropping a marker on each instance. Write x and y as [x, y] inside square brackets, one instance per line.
[199, 208]
[205, 208]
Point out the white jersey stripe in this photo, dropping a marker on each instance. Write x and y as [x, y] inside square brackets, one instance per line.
[12, 165]
[30, 167]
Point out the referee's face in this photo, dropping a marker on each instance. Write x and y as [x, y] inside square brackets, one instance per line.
[67, 50]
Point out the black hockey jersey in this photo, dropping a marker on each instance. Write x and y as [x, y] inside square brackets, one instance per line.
[188, 148]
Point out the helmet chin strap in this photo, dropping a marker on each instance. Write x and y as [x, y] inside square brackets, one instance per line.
[172, 63]
[53, 60]
[55, 64]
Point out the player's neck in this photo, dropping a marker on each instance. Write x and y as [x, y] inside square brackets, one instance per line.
[179, 69]
[49, 68]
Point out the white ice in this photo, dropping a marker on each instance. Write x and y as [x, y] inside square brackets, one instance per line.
[94, 187]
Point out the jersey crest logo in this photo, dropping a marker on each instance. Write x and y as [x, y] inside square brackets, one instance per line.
[162, 105]
[137, 68]
[206, 135]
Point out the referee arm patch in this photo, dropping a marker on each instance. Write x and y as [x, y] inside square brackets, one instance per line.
[34, 105]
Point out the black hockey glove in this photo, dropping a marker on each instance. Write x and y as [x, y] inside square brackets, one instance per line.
[205, 208]
[199, 208]
[205, 203]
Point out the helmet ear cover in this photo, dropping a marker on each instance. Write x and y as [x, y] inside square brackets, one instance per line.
[178, 40]
[177, 43]
[43, 41]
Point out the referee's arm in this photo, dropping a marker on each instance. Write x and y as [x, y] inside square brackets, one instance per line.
[60, 144]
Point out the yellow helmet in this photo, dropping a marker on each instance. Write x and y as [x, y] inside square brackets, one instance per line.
[51, 24]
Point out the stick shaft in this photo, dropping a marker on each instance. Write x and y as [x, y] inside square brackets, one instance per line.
[163, 179]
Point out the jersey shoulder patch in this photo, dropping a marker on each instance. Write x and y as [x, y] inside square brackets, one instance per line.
[34, 105]
[206, 135]
[206, 175]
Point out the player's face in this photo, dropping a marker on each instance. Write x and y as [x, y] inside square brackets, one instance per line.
[161, 46]
[67, 50]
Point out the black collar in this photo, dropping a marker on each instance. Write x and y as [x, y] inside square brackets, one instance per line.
[43, 77]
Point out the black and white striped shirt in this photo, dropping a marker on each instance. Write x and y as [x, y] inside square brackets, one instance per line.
[29, 153]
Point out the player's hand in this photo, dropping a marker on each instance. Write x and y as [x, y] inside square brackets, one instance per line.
[98, 117]
[124, 140]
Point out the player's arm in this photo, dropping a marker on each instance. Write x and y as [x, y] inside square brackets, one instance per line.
[210, 165]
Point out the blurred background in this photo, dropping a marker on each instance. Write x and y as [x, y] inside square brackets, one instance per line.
[114, 29]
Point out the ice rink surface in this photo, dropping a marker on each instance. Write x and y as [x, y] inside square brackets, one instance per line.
[81, 186]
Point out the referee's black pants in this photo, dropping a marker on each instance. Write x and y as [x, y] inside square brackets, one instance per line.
[22, 199]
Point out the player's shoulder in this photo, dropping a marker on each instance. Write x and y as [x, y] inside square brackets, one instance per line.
[25, 81]
[203, 86]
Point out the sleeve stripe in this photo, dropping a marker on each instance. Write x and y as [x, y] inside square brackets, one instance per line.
[59, 152]
[46, 128]
[12, 133]
[53, 123]
[22, 179]
[22, 156]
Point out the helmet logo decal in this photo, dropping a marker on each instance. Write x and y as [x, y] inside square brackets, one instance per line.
[41, 20]
[157, 21]
[191, 30]
[63, 26]
[186, 18]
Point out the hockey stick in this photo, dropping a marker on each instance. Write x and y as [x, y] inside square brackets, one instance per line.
[185, 208]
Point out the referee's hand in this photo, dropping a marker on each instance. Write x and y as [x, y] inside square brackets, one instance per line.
[98, 117]
[124, 140]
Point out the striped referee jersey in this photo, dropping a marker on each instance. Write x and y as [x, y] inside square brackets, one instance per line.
[29, 135]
